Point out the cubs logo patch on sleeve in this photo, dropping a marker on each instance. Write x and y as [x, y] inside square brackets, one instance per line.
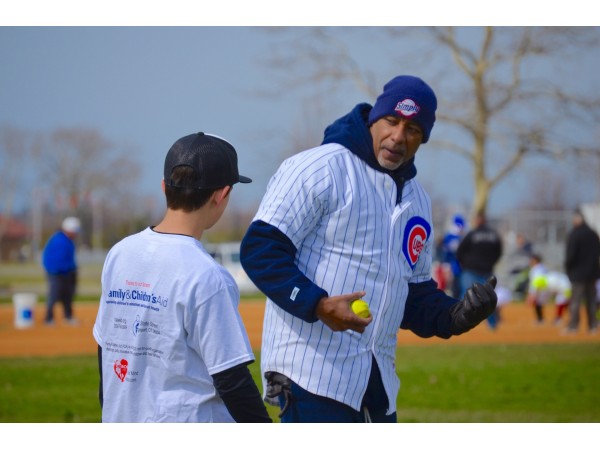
[415, 235]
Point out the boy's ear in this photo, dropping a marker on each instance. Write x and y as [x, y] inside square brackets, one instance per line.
[222, 194]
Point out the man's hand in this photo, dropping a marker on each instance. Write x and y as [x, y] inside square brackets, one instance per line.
[478, 303]
[335, 312]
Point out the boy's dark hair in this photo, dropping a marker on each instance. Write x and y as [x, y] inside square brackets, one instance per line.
[186, 199]
[536, 257]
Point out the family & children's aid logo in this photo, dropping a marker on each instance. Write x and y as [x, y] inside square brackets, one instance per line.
[120, 368]
[416, 232]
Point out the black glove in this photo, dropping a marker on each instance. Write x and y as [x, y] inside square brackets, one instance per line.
[278, 384]
[478, 303]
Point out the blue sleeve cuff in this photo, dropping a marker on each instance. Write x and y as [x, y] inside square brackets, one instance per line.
[427, 310]
[268, 257]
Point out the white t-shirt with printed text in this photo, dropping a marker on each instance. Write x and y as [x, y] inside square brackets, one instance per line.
[168, 320]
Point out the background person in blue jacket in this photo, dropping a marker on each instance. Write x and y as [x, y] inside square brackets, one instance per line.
[60, 264]
[342, 221]
[448, 248]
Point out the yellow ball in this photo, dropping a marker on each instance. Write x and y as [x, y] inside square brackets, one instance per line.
[360, 308]
[540, 282]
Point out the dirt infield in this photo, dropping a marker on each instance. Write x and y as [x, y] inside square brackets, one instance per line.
[517, 326]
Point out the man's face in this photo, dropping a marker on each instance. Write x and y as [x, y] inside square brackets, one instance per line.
[71, 234]
[395, 140]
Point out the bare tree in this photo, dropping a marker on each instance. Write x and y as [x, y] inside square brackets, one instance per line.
[545, 196]
[515, 113]
[81, 170]
[76, 162]
[506, 91]
[15, 149]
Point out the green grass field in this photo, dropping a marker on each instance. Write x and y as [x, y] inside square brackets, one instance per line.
[471, 384]
[440, 384]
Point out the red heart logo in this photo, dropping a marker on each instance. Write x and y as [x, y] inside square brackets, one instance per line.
[120, 368]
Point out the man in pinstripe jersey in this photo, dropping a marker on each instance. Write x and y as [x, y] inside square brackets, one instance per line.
[342, 221]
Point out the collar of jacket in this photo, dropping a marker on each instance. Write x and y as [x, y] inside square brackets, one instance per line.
[352, 132]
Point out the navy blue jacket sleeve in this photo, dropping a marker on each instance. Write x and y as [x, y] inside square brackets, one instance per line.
[268, 257]
[427, 310]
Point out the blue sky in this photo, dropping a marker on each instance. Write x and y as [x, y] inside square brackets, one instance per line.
[145, 87]
[142, 88]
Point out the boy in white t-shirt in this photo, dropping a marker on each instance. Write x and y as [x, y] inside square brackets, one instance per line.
[172, 346]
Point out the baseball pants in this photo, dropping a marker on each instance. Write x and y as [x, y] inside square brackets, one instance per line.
[310, 408]
[61, 288]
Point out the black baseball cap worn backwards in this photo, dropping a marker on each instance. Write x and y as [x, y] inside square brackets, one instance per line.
[212, 158]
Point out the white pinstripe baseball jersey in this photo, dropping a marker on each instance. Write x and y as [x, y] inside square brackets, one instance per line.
[351, 235]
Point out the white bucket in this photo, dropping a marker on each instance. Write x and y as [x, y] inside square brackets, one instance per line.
[24, 304]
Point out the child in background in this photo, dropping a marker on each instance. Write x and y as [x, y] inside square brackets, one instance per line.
[560, 288]
[538, 292]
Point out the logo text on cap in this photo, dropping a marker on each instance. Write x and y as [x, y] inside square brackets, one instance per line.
[407, 107]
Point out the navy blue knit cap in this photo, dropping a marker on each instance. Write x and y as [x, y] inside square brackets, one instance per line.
[410, 97]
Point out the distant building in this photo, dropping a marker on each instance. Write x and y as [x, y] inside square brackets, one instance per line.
[15, 236]
[591, 213]
[228, 255]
